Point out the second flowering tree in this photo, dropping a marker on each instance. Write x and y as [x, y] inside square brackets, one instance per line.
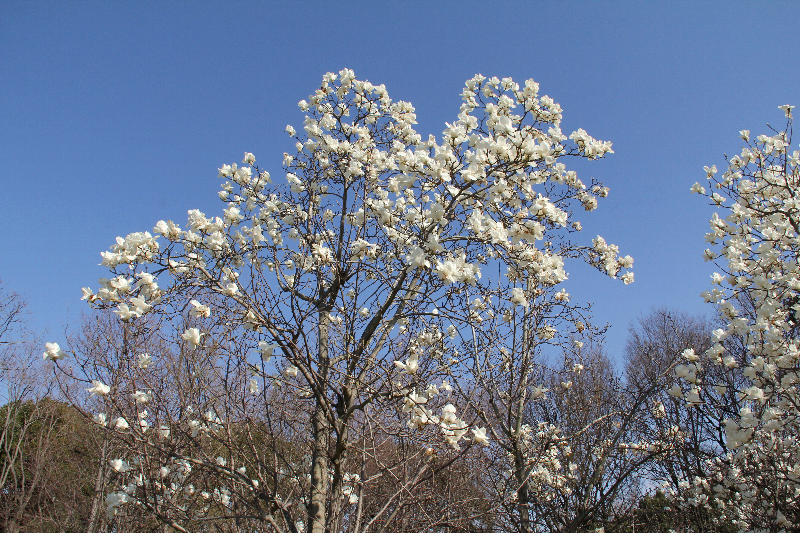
[750, 373]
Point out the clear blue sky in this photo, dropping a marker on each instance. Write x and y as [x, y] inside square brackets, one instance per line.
[114, 115]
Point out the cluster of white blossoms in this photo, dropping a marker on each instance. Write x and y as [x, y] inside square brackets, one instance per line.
[375, 236]
[544, 468]
[607, 257]
[130, 249]
[755, 482]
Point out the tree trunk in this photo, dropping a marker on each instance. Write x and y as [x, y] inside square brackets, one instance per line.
[317, 509]
[523, 497]
[319, 472]
[99, 483]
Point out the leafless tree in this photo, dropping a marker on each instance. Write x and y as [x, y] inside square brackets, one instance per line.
[599, 414]
[659, 344]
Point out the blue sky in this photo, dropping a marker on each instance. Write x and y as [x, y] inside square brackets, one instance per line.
[114, 115]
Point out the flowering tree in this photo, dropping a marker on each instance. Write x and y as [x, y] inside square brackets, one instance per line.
[756, 484]
[394, 293]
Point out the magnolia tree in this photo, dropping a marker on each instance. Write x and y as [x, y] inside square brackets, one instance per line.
[392, 289]
[756, 484]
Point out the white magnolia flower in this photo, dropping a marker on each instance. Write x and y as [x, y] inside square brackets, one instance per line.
[267, 350]
[538, 392]
[689, 355]
[119, 465]
[192, 336]
[144, 360]
[114, 500]
[54, 352]
[479, 436]
[99, 388]
[676, 391]
[199, 310]
[141, 396]
[410, 366]
[518, 297]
